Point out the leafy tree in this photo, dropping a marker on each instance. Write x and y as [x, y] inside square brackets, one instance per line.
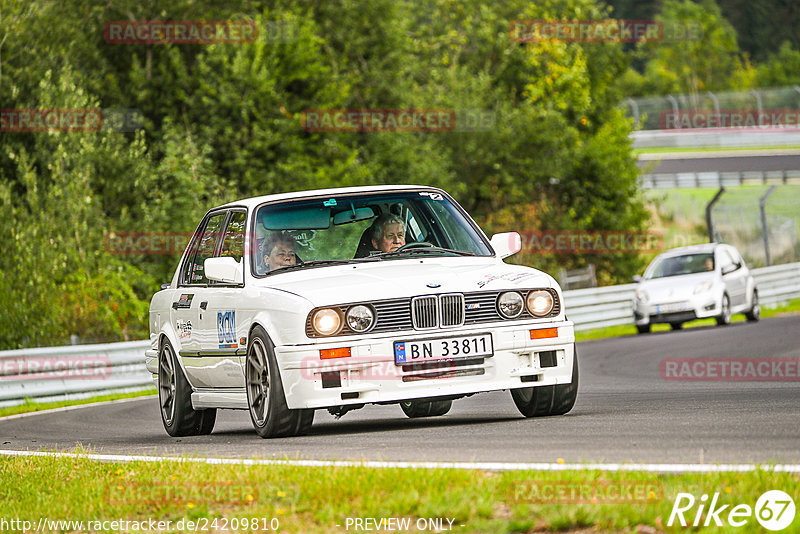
[781, 68]
[710, 62]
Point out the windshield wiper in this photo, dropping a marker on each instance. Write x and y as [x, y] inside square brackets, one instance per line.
[317, 263]
[424, 250]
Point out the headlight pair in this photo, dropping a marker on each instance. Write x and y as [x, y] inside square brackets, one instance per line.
[329, 321]
[539, 303]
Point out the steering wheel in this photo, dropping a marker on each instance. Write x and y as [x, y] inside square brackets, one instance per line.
[414, 244]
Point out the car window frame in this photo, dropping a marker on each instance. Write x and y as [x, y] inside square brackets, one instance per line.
[192, 248]
[195, 243]
[467, 217]
[221, 241]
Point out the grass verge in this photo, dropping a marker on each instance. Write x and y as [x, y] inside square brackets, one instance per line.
[32, 406]
[791, 307]
[323, 499]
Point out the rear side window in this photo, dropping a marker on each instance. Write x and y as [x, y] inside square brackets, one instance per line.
[204, 245]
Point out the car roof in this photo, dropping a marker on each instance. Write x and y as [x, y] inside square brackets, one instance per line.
[255, 201]
[692, 249]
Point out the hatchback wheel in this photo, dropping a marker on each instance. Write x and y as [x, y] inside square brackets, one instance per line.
[724, 318]
[755, 311]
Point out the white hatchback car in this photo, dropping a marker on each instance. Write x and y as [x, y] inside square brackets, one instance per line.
[337, 298]
[695, 282]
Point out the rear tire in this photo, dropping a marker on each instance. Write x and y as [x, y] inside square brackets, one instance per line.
[557, 399]
[426, 408]
[755, 311]
[643, 328]
[724, 318]
[175, 399]
[266, 400]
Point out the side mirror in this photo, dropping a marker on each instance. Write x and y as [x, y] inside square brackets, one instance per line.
[729, 268]
[506, 244]
[224, 269]
[637, 278]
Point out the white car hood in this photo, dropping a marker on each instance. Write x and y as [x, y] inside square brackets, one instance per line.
[341, 284]
[673, 288]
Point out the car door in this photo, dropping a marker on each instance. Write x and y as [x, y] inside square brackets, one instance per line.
[188, 314]
[734, 276]
[224, 342]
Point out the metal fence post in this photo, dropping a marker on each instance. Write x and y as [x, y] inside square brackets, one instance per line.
[709, 220]
[762, 206]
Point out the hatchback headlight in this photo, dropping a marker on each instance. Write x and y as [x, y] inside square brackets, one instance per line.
[540, 302]
[326, 322]
[360, 318]
[509, 304]
[642, 295]
[702, 287]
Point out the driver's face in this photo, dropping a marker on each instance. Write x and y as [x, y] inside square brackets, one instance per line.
[281, 255]
[392, 238]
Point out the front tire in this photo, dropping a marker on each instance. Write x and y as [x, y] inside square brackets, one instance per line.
[724, 318]
[175, 399]
[755, 311]
[426, 408]
[265, 396]
[643, 328]
[557, 399]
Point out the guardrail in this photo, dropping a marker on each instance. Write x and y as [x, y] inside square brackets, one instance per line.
[716, 138]
[76, 371]
[717, 179]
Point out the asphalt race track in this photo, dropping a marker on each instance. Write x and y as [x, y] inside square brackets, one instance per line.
[625, 413]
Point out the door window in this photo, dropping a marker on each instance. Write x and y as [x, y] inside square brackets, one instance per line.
[203, 248]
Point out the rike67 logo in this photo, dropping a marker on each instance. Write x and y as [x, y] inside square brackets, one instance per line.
[774, 510]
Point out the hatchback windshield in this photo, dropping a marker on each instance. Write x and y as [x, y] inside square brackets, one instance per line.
[678, 265]
[353, 228]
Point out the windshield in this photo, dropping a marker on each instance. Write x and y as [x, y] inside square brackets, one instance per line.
[354, 228]
[678, 265]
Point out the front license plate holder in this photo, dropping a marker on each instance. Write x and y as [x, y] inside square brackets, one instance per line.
[443, 349]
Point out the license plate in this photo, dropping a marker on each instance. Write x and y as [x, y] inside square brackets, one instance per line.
[670, 308]
[427, 350]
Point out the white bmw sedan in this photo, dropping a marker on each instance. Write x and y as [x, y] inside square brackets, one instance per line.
[695, 282]
[338, 298]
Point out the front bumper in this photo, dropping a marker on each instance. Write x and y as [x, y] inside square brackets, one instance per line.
[698, 306]
[370, 374]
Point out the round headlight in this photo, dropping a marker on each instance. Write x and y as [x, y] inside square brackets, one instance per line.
[326, 322]
[540, 302]
[509, 304]
[360, 318]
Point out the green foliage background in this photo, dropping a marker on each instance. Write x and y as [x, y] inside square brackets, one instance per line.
[222, 122]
